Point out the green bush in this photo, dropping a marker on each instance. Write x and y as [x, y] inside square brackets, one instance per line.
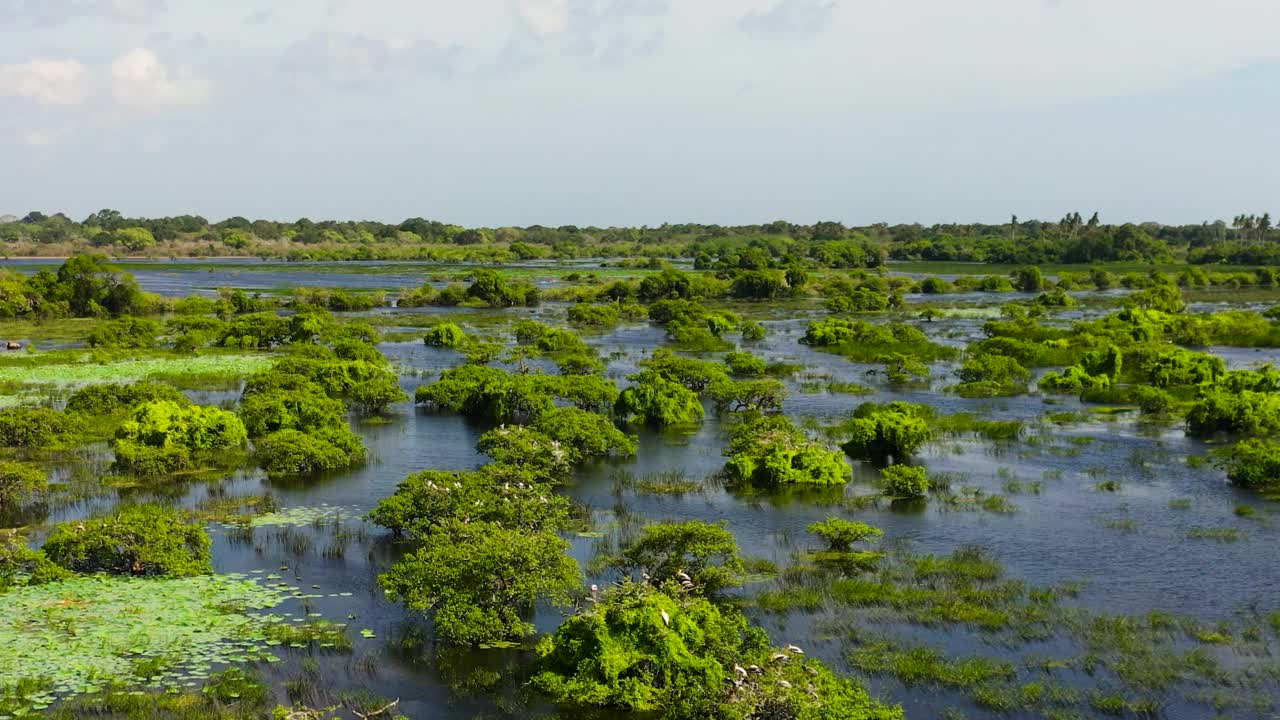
[840, 534]
[660, 402]
[164, 436]
[33, 428]
[707, 553]
[752, 331]
[115, 398]
[1253, 464]
[146, 540]
[445, 335]
[126, 332]
[880, 432]
[692, 373]
[585, 315]
[481, 581]
[905, 481]
[507, 495]
[748, 395]
[742, 364]
[21, 566]
[18, 481]
[1244, 412]
[641, 650]
[304, 407]
[1073, 380]
[770, 451]
[587, 434]
[292, 452]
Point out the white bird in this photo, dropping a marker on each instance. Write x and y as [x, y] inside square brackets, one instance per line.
[793, 650]
[741, 671]
[813, 691]
[686, 585]
[785, 684]
[666, 619]
[681, 576]
[778, 657]
[755, 669]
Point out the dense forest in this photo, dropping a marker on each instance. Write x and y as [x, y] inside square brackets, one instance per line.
[1247, 240]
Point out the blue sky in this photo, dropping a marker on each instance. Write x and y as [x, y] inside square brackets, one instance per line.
[621, 112]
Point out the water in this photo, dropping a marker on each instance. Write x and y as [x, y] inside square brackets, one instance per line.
[1065, 533]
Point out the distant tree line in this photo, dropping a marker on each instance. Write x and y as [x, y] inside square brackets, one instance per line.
[1248, 239]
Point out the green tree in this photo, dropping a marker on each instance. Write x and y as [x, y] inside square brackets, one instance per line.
[147, 540]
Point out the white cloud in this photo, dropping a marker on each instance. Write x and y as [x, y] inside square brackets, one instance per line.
[137, 10]
[49, 82]
[798, 17]
[41, 137]
[141, 82]
[542, 17]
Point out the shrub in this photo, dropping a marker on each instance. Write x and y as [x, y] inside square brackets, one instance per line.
[742, 364]
[588, 434]
[642, 650]
[880, 432]
[902, 370]
[445, 335]
[841, 534]
[1244, 412]
[114, 398]
[507, 495]
[748, 395]
[146, 540]
[21, 566]
[292, 452]
[707, 553]
[998, 369]
[302, 407]
[694, 374]
[770, 451]
[523, 446]
[905, 481]
[481, 580]
[33, 428]
[657, 401]
[586, 315]
[126, 332]
[162, 436]
[1073, 380]
[17, 481]
[935, 286]
[1253, 464]
[752, 331]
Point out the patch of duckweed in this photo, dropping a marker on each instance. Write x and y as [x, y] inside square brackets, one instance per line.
[81, 635]
[305, 515]
[178, 369]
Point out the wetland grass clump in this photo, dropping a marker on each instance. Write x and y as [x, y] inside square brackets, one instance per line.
[770, 451]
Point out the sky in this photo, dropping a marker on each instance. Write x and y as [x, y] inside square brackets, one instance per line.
[640, 112]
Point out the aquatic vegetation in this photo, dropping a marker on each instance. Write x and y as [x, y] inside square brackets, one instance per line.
[905, 481]
[903, 370]
[126, 332]
[141, 540]
[445, 335]
[1073, 380]
[770, 451]
[655, 400]
[742, 364]
[507, 496]
[164, 436]
[696, 375]
[18, 481]
[747, 395]
[294, 452]
[840, 534]
[586, 434]
[498, 396]
[115, 398]
[519, 444]
[83, 634]
[600, 316]
[1253, 463]
[991, 375]
[479, 580]
[1245, 412]
[861, 340]
[34, 428]
[642, 650]
[81, 369]
[752, 331]
[880, 432]
[700, 557]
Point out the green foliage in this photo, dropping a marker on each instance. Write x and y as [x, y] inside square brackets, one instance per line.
[770, 451]
[655, 400]
[294, 404]
[859, 300]
[840, 534]
[141, 540]
[445, 335]
[748, 395]
[506, 495]
[163, 436]
[901, 370]
[126, 332]
[585, 434]
[33, 428]
[905, 481]
[861, 340]
[999, 369]
[692, 373]
[1028, 279]
[1254, 464]
[752, 331]
[706, 553]
[490, 288]
[600, 316]
[521, 445]
[1242, 412]
[1073, 380]
[18, 481]
[497, 396]
[293, 452]
[894, 430]
[20, 566]
[742, 364]
[114, 398]
[676, 657]
[481, 580]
